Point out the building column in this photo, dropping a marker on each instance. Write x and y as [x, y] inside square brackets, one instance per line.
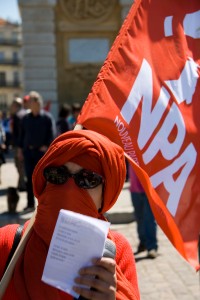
[39, 49]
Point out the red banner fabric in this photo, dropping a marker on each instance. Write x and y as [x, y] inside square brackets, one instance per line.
[146, 99]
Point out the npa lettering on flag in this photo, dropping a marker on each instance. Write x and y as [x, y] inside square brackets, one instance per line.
[147, 99]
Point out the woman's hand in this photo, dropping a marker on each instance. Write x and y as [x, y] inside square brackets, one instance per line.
[100, 278]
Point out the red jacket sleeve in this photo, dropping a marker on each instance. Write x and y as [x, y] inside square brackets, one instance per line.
[126, 261]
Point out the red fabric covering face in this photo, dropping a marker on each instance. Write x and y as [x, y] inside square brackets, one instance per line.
[92, 147]
[68, 196]
[98, 154]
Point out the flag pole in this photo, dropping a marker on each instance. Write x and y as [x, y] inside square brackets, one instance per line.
[78, 127]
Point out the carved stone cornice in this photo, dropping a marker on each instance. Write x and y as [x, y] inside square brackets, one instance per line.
[92, 11]
[37, 2]
[83, 73]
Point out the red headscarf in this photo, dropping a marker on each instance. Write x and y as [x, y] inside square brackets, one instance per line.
[91, 151]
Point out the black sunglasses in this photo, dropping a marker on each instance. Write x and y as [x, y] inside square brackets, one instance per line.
[84, 179]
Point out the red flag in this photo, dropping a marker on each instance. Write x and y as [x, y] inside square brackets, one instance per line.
[146, 99]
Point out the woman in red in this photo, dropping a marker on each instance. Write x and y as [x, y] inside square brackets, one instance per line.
[84, 172]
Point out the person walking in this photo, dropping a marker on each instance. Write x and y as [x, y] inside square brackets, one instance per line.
[146, 224]
[17, 112]
[62, 124]
[37, 132]
[75, 111]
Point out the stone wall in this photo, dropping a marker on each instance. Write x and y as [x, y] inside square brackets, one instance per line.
[39, 49]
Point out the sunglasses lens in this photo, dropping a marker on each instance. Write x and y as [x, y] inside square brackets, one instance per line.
[84, 179]
[56, 175]
[87, 179]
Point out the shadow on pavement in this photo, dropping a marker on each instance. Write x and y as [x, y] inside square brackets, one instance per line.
[120, 217]
[140, 258]
[13, 218]
[3, 192]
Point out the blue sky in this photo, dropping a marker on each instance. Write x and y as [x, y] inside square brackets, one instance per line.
[9, 10]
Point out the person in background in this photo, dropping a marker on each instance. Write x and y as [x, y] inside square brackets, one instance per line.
[76, 108]
[146, 224]
[62, 124]
[79, 172]
[37, 132]
[17, 112]
[6, 127]
[26, 103]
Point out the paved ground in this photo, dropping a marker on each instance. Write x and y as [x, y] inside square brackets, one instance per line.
[168, 277]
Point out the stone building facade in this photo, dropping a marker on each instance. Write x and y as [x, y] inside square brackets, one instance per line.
[65, 42]
[10, 63]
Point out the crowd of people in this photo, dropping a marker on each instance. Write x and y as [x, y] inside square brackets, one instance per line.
[28, 131]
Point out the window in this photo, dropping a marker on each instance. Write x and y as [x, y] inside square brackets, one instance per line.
[14, 36]
[16, 78]
[88, 50]
[15, 56]
[1, 36]
[2, 78]
[3, 102]
[1, 56]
